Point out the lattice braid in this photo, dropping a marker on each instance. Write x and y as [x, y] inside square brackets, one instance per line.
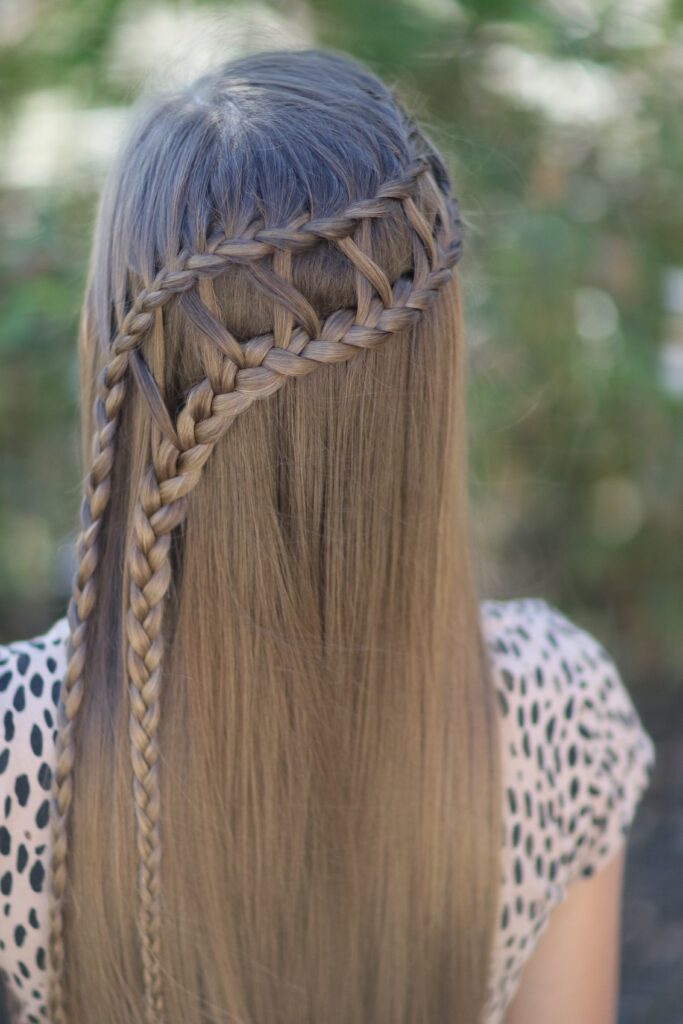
[247, 372]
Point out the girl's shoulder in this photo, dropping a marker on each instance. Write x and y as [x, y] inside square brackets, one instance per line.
[569, 724]
[31, 673]
[575, 762]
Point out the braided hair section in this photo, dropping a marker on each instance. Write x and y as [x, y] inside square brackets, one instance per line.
[109, 399]
[237, 375]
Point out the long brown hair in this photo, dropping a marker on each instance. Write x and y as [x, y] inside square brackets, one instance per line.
[277, 757]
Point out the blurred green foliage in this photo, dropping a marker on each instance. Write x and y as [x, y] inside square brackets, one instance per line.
[562, 124]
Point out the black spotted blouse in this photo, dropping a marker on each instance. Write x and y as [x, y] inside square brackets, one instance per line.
[576, 761]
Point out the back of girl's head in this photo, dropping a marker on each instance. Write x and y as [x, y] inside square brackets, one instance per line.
[264, 141]
[273, 613]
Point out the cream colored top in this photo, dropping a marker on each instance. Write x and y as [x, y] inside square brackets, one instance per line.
[576, 762]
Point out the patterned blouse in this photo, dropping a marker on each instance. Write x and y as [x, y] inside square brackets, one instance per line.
[576, 761]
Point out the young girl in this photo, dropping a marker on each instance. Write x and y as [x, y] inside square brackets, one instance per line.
[280, 763]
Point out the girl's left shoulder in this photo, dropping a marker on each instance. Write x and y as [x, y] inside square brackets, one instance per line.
[571, 723]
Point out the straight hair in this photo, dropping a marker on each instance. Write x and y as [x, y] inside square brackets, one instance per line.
[277, 795]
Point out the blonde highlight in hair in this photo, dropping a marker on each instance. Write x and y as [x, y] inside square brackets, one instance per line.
[275, 645]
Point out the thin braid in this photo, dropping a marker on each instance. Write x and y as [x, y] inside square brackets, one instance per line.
[150, 575]
[158, 513]
[109, 399]
[299, 236]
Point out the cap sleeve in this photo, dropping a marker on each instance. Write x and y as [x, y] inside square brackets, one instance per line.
[610, 756]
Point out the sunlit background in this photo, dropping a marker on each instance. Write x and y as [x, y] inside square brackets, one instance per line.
[562, 122]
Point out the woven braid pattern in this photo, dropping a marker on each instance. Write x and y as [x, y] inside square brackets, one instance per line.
[248, 371]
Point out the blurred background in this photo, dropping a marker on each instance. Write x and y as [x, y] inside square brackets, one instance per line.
[562, 121]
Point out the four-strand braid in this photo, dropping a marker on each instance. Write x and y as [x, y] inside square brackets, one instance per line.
[237, 374]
